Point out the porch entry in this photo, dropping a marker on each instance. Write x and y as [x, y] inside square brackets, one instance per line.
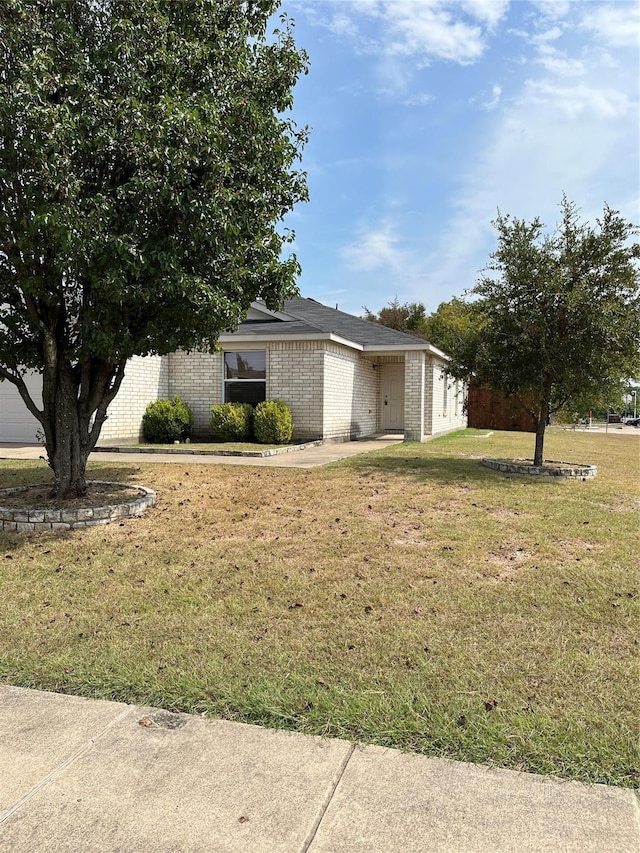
[392, 396]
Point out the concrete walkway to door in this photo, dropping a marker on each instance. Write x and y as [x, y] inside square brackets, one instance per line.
[309, 458]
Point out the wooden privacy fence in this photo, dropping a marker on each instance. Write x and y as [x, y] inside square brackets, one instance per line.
[487, 409]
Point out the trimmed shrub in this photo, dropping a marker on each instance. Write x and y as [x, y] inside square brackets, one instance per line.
[232, 421]
[272, 423]
[166, 421]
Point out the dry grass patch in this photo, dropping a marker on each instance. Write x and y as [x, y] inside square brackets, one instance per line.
[369, 599]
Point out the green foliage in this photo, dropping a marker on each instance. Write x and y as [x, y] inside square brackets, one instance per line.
[146, 164]
[558, 318]
[232, 421]
[272, 422]
[453, 326]
[166, 421]
[409, 317]
[600, 403]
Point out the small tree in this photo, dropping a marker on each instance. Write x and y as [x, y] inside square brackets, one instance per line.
[409, 317]
[145, 164]
[560, 315]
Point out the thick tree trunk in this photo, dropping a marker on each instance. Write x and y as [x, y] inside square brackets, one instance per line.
[75, 408]
[67, 438]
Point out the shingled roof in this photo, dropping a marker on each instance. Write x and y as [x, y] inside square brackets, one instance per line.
[309, 317]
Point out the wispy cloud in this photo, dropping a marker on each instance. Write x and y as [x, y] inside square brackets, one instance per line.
[374, 248]
[432, 30]
[572, 126]
[516, 111]
[487, 11]
[496, 94]
[595, 101]
[615, 25]
[557, 63]
[554, 9]
[416, 31]
[418, 99]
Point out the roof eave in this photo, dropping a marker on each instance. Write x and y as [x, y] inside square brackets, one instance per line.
[238, 338]
[385, 349]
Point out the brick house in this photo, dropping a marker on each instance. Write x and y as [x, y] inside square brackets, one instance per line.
[343, 377]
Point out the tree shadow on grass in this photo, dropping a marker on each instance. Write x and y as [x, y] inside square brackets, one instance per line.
[30, 472]
[444, 470]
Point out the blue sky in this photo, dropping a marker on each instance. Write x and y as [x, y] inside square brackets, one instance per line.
[427, 115]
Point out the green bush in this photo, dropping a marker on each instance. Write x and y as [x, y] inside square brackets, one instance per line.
[272, 423]
[166, 421]
[232, 421]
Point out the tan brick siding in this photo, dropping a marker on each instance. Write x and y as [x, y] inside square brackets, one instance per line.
[295, 371]
[145, 380]
[333, 392]
[351, 394]
[197, 378]
[414, 396]
[441, 418]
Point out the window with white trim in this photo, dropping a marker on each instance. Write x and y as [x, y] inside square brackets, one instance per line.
[245, 377]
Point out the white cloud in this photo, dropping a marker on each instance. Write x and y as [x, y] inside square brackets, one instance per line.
[547, 35]
[569, 102]
[342, 25]
[496, 94]
[430, 30]
[616, 25]
[487, 11]
[423, 29]
[375, 248]
[554, 9]
[572, 127]
[418, 99]
[559, 64]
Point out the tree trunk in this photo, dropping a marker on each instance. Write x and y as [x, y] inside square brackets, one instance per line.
[68, 440]
[75, 401]
[541, 425]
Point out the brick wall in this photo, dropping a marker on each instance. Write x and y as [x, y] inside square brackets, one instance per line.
[295, 371]
[351, 394]
[414, 396]
[446, 396]
[146, 379]
[197, 378]
[333, 392]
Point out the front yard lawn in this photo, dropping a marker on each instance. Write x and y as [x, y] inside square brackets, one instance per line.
[408, 597]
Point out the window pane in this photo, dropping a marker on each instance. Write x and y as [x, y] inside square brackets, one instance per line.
[245, 365]
[245, 392]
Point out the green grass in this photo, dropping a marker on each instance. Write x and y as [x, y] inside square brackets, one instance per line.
[407, 597]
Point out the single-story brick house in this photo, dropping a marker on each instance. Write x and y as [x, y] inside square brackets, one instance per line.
[343, 377]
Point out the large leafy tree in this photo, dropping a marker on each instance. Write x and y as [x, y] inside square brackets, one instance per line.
[146, 161]
[453, 326]
[558, 314]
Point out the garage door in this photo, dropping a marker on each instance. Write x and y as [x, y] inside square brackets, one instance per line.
[16, 421]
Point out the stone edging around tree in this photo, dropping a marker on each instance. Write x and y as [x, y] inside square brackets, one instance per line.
[21, 520]
[565, 470]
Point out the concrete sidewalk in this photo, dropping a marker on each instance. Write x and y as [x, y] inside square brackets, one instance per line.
[81, 775]
[308, 458]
